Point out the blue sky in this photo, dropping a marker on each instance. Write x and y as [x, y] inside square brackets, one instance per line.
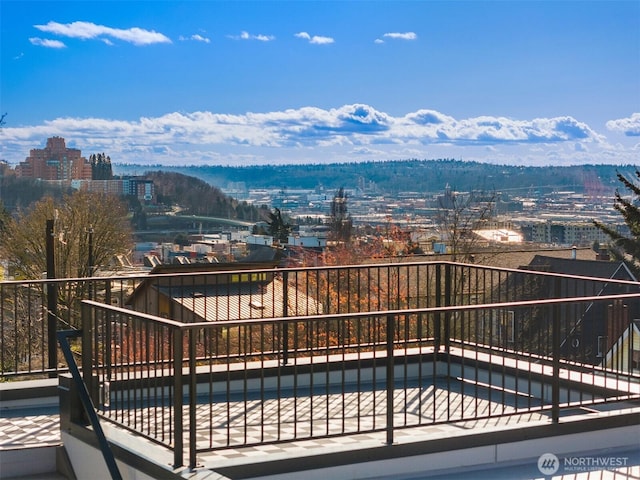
[271, 82]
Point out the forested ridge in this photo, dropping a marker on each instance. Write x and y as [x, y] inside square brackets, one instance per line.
[197, 197]
[391, 176]
[198, 188]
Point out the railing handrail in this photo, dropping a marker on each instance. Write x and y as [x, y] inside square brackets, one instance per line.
[150, 275]
[364, 314]
[321, 348]
[347, 291]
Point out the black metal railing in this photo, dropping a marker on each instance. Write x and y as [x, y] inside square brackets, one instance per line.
[32, 311]
[200, 386]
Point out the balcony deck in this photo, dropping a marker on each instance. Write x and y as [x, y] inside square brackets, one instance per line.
[449, 365]
[39, 425]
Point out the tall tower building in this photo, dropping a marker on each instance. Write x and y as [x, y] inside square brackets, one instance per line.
[55, 162]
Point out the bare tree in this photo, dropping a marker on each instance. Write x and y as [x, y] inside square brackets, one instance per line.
[89, 229]
[83, 221]
[458, 216]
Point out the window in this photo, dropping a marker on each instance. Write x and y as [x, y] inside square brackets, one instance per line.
[504, 326]
[246, 277]
[602, 346]
[509, 325]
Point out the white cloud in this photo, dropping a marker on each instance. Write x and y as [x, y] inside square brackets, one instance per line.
[629, 126]
[247, 36]
[196, 37]
[367, 151]
[42, 42]
[88, 30]
[378, 40]
[318, 40]
[264, 38]
[346, 133]
[315, 39]
[401, 36]
[434, 126]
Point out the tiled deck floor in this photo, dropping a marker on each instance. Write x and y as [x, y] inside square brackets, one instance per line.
[338, 414]
[29, 427]
[271, 419]
[248, 430]
[259, 421]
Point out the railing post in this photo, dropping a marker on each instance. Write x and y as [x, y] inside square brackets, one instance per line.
[192, 399]
[437, 334]
[52, 301]
[555, 339]
[178, 437]
[88, 325]
[285, 313]
[390, 377]
[447, 303]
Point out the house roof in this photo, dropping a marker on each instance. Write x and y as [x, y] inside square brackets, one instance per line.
[162, 275]
[262, 254]
[585, 268]
[242, 301]
[211, 267]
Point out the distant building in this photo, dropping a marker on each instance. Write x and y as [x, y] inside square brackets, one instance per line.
[58, 163]
[562, 232]
[140, 188]
[307, 241]
[55, 162]
[502, 235]
[260, 240]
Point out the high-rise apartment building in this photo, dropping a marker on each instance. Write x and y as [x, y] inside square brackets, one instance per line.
[55, 162]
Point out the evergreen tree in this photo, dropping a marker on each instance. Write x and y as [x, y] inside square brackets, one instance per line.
[624, 247]
[101, 167]
[278, 228]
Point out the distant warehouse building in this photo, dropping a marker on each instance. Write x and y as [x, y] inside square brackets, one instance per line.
[582, 233]
[140, 188]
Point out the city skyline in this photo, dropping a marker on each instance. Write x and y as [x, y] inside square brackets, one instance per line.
[247, 83]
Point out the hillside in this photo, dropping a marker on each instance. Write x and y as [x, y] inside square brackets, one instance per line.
[197, 197]
[194, 196]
